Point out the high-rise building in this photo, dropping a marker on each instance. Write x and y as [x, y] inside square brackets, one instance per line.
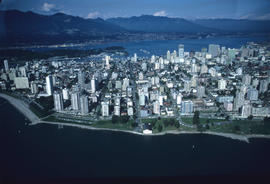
[200, 91]
[228, 106]
[179, 99]
[135, 57]
[125, 84]
[22, 71]
[107, 59]
[34, 87]
[156, 107]
[168, 55]
[6, 65]
[117, 110]
[204, 69]
[214, 50]
[65, 94]
[181, 51]
[246, 79]
[75, 100]
[263, 86]
[187, 107]
[58, 101]
[105, 108]
[130, 111]
[93, 85]
[118, 84]
[246, 109]
[84, 105]
[144, 66]
[239, 100]
[187, 85]
[81, 78]
[255, 83]
[142, 99]
[49, 85]
[222, 84]
[252, 94]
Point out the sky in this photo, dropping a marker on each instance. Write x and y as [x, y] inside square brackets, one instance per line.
[189, 9]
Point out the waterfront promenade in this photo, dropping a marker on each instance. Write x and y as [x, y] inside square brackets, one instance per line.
[24, 109]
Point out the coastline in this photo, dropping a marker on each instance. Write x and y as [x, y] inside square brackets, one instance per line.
[24, 109]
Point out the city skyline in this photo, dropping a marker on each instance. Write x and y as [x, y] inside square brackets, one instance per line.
[240, 9]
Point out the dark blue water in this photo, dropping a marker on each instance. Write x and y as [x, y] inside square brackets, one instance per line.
[45, 152]
[160, 47]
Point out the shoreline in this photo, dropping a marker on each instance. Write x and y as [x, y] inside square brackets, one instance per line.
[24, 109]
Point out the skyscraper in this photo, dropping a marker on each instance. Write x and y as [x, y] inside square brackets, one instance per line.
[263, 86]
[156, 107]
[81, 78]
[65, 94]
[181, 52]
[6, 65]
[75, 102]
[200, 91]
[58, 101]
[93, 85]
[105, 108]
[239, 100]
[34, 87]
[84, 105]
[107, 59]
[49, 85]
[168, 55]
[214, 50]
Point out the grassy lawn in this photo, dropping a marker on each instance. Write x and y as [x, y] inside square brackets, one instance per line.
[109, 124]
[189, 120]
[243, 127]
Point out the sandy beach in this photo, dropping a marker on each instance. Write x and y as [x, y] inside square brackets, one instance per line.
[24, 109]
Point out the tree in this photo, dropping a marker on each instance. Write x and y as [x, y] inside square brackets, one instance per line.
[160, 128]
[114, 119]
[250, 117]
[176, 124]
[196, 118]
[207, 127]
[236, 128]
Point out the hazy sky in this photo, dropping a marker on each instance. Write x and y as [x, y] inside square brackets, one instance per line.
[190, 9]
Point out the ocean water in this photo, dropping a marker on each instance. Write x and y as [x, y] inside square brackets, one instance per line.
[44, 152]
[160, 47]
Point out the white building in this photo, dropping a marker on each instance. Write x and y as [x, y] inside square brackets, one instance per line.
[84, 105]
[75, 102]
[6, 65]
[49, 85]
[105, 108]
[65, 94]
[58, 101]
[222, 84]
[187, 107]
[21, 82]
[156, 107]
[117, 110]
[93, 85]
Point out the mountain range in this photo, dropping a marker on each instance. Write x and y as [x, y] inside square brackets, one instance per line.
[29, 27]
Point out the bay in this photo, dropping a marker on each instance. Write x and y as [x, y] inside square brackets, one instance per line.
[45, 152]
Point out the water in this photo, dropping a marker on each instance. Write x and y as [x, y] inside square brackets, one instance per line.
[160, 47]
[46, 152]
